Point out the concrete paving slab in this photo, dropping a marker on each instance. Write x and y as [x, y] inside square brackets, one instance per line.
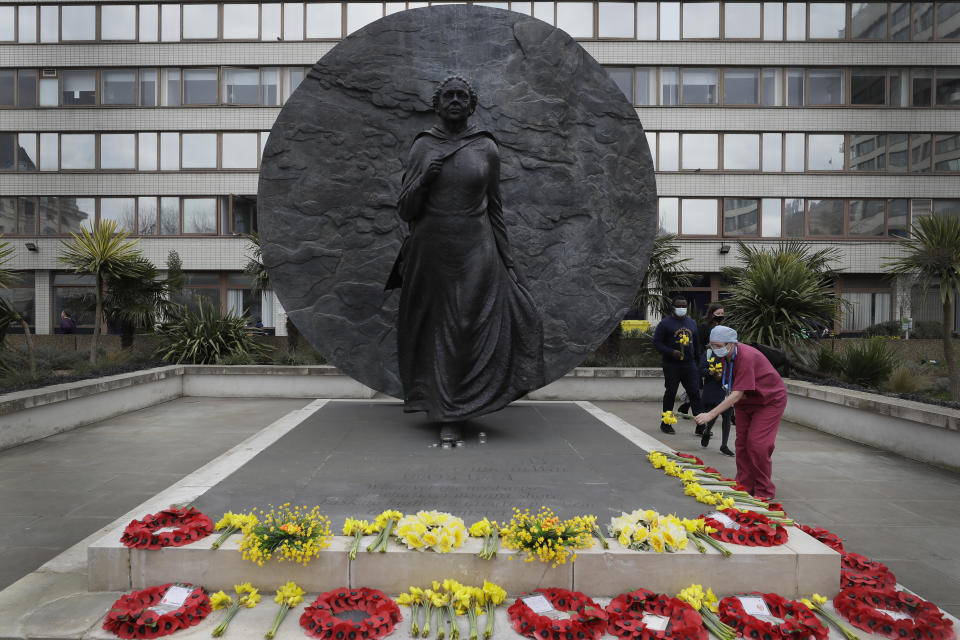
[68, 617]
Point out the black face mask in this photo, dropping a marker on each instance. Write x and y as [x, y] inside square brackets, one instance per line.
[717, 319]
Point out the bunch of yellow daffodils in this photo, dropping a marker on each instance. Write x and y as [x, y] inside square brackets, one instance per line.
[249, 597]
[441, 532]
[288, 597]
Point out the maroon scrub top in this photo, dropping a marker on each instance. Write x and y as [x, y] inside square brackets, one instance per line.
[755, 376]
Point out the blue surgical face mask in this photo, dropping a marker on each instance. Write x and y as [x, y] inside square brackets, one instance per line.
[721, 352]
[680, 311]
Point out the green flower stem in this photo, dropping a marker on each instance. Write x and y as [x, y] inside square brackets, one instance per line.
[714, 543]
[494, 544]
[695, 540]
[472, 616]
[426, 623]
[276, 621]
[386, 535]
[376, 541]
[356, 544]
[454, 628]
[599, 536]
[716, 626]
[844, 629]
[485, 551]
[491, 612]
[414, 620]
[220, 628]
[229, 531]
[441, 623]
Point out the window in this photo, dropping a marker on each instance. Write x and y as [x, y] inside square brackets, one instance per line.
[170, 87]
[793, 152]
[700, 86]
[27, 158]
[900, 20]
[920, 153]
[948, 20]
[8, 147]
[669, 86]
[700, 150]
[623, 77]
[118, 22]
[922, 87]
[867, 152]
[118, 151]
[241, 86]
[79, 22]
[241, 21]
[652, 144]
[771, 214]
[360, 14]
[8, 215]
[741, 86]
[825, 217]
[293, 21]
[7, 87]
[27, 216]
[897, 152]
[240, 150]
[773, 21]
[270, 86]
[323, 20]
[19, 291]
[646, 86]
[669, 20]
[864, 309]
[147, 216]
[148, 87]
[78, 151]
[27, 87]
[825, 152]
[243, 214]
[741, 151]
[866, 217]
[77, 213]
[897, 218]
[120, 210]
[669, 210]
[646, 20]
[147, 150]
[576, 18]
[7, 22]
[27, 24]
[49, 152]
[740, 217]
[922, 21]
[118, 86]
[796, 21]
[795, 88]
[170, 22]
[948, 85]
[868, 20]
[828, 20]
[772, 152]
[292, 77]
[79, 87]
[899, 88]
[616, 20]
[669, 152]
[867, 86]
[169, 151]
[199, 152]
[826, 86]
[200, 215]
[701, 20]
[169, 216]
[741, 20]
[200, 21]
[149, 23]
[200, 86]
[946, 152]
[271, 27]
[49, 23]
[698, 217]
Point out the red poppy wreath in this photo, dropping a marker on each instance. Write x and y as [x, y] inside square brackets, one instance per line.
[187, 525]
[756, 530]
[625, 617]
[132, 617]
[587, 619]
[320, 619]
[798, 621]
[828, 538]
[859, 571]
[871, 609]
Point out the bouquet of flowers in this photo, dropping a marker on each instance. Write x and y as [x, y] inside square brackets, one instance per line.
[645, 529]
[543, 536]
[382, 526]
[230, 523]
[248, 598]
[357, 529]
[490, 532]
[435, 530]
[707, 604]
[288, 597]
[294, 535]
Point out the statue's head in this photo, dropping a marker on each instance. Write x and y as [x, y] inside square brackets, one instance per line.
[454, 99]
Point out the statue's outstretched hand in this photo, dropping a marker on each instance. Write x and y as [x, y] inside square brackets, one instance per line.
[433, 169]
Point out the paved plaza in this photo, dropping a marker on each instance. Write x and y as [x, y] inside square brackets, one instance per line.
[61, 490]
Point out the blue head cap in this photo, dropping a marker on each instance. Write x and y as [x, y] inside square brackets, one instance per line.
[724, 334]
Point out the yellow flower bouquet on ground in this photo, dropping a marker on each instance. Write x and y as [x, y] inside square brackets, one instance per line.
[230, 523]
[645, 529]
[543, 536]
[490, 532]
[436, 530]
[294, 535]
[247, 597]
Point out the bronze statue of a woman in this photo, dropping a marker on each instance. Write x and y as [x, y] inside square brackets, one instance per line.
[470, 338]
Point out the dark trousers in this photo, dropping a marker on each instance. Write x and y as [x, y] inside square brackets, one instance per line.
[673, 377]
[724, 424]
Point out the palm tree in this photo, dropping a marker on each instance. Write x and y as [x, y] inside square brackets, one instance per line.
[777, 295]
[103, 252]
[665, 275]
[137, 299]
[933, 256]
[260, 279]
[8, 313]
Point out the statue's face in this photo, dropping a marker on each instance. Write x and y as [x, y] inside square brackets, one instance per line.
[454, 103]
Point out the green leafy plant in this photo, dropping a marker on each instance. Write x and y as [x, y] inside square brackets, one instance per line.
[932, 255]
[665, 274]
[828, 361]
[136, 299]
[904, 380]
[207, 337]
[868, 363]
[9, 314]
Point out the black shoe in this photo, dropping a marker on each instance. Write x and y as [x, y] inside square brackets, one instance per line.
[699, 430]
[705, 437]
[684, 408]
[666, 428]
[725, 451]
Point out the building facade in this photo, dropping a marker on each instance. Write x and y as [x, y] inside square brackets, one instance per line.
[837, 123]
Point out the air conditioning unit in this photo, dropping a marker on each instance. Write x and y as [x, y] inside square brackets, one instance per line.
[48, 73]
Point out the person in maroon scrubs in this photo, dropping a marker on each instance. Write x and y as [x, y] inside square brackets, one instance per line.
[756, 392]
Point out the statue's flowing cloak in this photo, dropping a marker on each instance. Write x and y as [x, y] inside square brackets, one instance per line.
[469, 335]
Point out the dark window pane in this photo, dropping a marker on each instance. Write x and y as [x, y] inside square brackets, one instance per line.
[119, 86]
[946, 207]
[739, 217]
[169, 216]
[922, 85]
[79, 87]
[669, 86]
[868, 152]
[897, 157]
[869, 20]
[922, 21]
[947, 152]
[900, 20]
[623, 77]
[27, 222]
[793, 217]
[825, 217]
[148, 87]
[241, 86]
[48, 216]
[200, 86]
[826, 86]
[6, 87]
[948, 86]
[8, 147]
[700, 86]
[199, 215]
[8, 216]
[795, 87]
[76, 213]
[27, 87]
[948, 20]
[920, 153]
[867, 86]
[866, 217]
[897, 217]
[244, 214]
[741, 86]
[79, 301]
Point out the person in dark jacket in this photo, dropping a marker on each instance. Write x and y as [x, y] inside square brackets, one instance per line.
[712, 394]
[676, 339]
[67, 323]
[712, 318]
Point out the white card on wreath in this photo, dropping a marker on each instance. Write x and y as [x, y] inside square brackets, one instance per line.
[654, 622]
[538, 604]
[176, 596]
[726, 521]
[754, 606]
[166, 530]
[896, 615]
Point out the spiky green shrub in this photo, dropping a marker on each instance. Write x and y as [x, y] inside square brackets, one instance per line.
[828, 361]
[207, 337]
[868, 363]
